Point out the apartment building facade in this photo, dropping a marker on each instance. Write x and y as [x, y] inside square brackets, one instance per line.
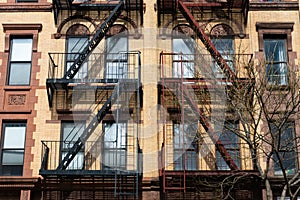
[125, 99]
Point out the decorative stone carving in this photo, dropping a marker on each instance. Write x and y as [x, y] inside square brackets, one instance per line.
[221, 29]
[184, 29]
[16, 99]
[78, 29]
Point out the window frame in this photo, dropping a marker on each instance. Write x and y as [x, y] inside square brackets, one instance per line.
[83, 71]
[3, 148]
[69, 143]
[228, 57]
[282, 75]
[278, 29]
[10, 61]
[190, 153]
[290, 125]
[187, 58]
[229, 146]
[114, 59]
[115, 164]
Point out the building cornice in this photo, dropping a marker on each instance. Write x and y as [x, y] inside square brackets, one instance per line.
[273, 6]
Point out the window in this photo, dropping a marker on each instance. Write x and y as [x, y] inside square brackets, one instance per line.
[116, 57]
[114, 146]
[70, 134]
[285, 141]
[275, 50]
[276, 59]
[225, 47]
[185, 146]
[183, 61]
[13, 146]
[231, 142]
[75, 44]
[20, 61]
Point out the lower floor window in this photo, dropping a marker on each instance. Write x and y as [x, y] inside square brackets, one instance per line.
[13, 147]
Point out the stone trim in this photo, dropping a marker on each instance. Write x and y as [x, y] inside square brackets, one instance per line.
[17, 102]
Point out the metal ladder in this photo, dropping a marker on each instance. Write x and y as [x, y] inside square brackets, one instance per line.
[88, 131]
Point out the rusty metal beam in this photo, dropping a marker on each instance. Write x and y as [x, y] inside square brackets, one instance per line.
[206, 41]
[206, 125]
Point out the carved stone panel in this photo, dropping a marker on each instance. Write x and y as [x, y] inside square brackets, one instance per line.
[16, 101]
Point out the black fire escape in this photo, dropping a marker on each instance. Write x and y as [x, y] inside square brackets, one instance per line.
[111, 96]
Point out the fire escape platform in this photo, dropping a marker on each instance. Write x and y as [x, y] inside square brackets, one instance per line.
[86, 173]
[192, 173]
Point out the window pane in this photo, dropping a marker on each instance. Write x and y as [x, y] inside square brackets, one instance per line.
[183, 63]
[114, 159]
[76, 45]
[287, 151]
[14, 137]
[21, 50]
[116, 44]
[276, 60]
[115, 149]
[12, 157]
[275, 50]
[230, 140]
[12, 170]
[115, 136]
[116, 60]
[19, 74]
[71, 132]
[225, 47]
[77, 162]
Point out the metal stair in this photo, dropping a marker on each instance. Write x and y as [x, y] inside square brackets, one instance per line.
[206, 125]
[98, 36]
[88, 131]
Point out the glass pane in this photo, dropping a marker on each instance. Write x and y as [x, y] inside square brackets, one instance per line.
[82, 72]
[116, 60]
[76, 45]
[116, 70]
[12, 157]
[12, 170]
[184, 46]
[115, 136]
[21, 50]
[275, 50]
[225, 47]
[114, 159]
[116, 44]
[14, 136]
[183, 63]
[71, 131]
[184, 135]
[77, 162]
[19, 73]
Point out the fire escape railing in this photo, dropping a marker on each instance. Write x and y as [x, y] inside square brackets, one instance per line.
[205, 40]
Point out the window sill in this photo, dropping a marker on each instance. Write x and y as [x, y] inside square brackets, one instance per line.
[17, 88]
[8, 111]
[27, 7]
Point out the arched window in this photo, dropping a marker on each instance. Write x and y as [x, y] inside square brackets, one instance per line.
[183, 46]
[222, 37]
[77, 40]
[116, 63]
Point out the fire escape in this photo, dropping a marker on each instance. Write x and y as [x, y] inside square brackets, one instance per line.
[83, 170]
[187, 98]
